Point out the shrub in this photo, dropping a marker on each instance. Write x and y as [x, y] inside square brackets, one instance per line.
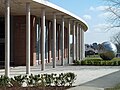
[118, 62]
[70, 77]
[33, 80]
[17, 81]
[4, 81]
[108, 63]
[98, 62]
[63, 79]
[77, 62]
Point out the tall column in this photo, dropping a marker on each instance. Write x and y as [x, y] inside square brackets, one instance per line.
[59, 44]
[43, 41]
[7, 37]
[54, 40]
[62, 49]
[77, 43]
[27, 38]
[73, 40]
[46, 42]
[69, 28]
[49, 42]
[39, 41]
[82, 44]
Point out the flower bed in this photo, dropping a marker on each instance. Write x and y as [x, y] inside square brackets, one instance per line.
[36, 88]
[38, 82]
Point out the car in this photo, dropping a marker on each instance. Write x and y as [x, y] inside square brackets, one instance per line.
[118, 55]
[90, 52]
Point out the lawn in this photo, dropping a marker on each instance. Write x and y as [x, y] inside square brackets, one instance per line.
[117, 87]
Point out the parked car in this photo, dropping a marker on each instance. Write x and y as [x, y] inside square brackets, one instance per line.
[118, 55]
[90, 52]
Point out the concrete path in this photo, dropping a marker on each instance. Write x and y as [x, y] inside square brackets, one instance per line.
[85, 74]
[106, 82]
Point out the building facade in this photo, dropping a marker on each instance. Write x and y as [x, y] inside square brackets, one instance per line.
[37, 32]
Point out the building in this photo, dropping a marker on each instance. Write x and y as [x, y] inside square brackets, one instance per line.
[91, 49]
[30, 28]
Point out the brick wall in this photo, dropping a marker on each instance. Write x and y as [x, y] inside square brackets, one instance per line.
[19, 42]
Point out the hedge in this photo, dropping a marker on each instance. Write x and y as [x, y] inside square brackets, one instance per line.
[98, 62]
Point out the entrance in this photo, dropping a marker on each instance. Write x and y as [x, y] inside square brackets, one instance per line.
[2, 40]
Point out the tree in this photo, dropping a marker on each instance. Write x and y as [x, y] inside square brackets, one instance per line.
[114, 13]
[114, 20]
[116, 40]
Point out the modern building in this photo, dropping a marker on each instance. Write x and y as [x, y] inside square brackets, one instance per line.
[37, 31]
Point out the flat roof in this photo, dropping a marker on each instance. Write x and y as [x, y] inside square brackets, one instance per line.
[18, 7]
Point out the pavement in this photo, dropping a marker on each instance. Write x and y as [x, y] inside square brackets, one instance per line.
[88, 77]
[106, 82]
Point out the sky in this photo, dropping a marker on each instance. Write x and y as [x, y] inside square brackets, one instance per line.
[93, 12]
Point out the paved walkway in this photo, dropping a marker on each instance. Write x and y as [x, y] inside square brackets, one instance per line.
[85, 74]
[102, 83]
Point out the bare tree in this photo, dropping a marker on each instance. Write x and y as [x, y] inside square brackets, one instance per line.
[114, 20]
[116, 40]
[114, 13]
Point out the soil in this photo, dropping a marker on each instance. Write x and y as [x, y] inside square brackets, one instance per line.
[34, 88]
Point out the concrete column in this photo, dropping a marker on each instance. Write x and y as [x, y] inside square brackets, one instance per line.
[54, 40]
[69, 28]
[7, 37]
[62, 49]
[27, 38]
[77, 43]
[46, 42]
[39, 40]
[43, 41]
[59, 44]
[49, 42]
[73, 40]
[82, 44]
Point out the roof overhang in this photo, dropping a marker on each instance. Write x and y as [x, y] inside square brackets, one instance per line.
[18, 7]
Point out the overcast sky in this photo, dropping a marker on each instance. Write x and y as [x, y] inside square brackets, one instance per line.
[93, 12]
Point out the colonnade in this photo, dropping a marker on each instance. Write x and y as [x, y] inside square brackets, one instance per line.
[73, 26]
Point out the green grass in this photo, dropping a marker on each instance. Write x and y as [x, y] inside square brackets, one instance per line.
[117, 87]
